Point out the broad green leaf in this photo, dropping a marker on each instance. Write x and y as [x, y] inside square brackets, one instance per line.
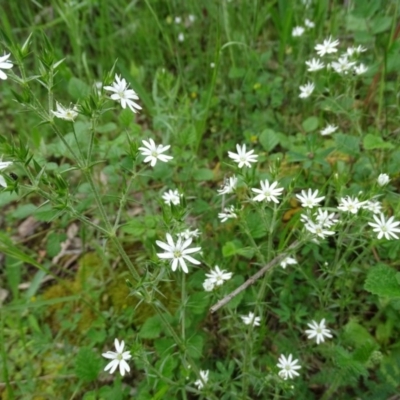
[269, 139]
[87, 364]
[151, 329]
[77, 89]
[372, 142]
[382, 280]
[347, 144]
[310, 124]
[195, 346]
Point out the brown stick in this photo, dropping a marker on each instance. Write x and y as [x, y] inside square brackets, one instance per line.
[252, 279]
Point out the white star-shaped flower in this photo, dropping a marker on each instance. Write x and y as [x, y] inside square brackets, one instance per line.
[178, 252]
[251, 319]
[243, 157]
[118, 358]
[318, 331]
[373, 206]
[297, 31]
[350, 205]
[171, 196]
[327, 47]
[309, 199]
[314, 64]
[360, 69]
[288, 367]
[69, 114]
[154, 152]
[3, 165]
[383, 179]
[342, 65]
[328, 130]
[268, 192]
[228, 212]
[204, 379]
[288, 261]
[5, 63]
[385, 227]
[218, 276]
[229, 185]
[306, 90]
[318, 229]
[124, 95]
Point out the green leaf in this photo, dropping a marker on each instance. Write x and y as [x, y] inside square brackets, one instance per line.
[87, 364]
[382, 280]
[257, 227]
[195, 346]
[78, 89]
[310, 124]
[372, 142]
[53, 245]
[198, 302]
[231, 248]
[151, 329]
[269, 139]
[347, 144]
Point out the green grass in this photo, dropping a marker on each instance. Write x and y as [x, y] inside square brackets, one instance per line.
[80, 221]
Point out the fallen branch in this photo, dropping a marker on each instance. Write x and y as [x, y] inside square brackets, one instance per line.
[256, 276]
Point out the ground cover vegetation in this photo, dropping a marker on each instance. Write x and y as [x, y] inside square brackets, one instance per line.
[200, 199]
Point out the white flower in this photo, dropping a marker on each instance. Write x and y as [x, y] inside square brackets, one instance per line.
[154, 153]
[242, 157]
[306, 90]
[69, 114]
[309, 24]
[229, 185]
[297, 31]
[251, 319]
[314, 65]
[187, 233]
[228, 212]
[208, 285]
[373, 206]
[191, 18]
[178, 20]
[309, 199]
[327, 47]
[218, 276]
[385, 228]
[178, 252]
[122, 94]
[318, 331]
[355, 50]
[288, 261]
[5, 63]
[288, 367]
[118, 358]
[342, 65]
[204, 379]
[268, 192]
[329, 129]
[3, 165]
[181, 37]
[325, 219]
[172, 196]
[212, 65]
[360, 69]
[383, 179]
[350, 205]
[318, 229]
